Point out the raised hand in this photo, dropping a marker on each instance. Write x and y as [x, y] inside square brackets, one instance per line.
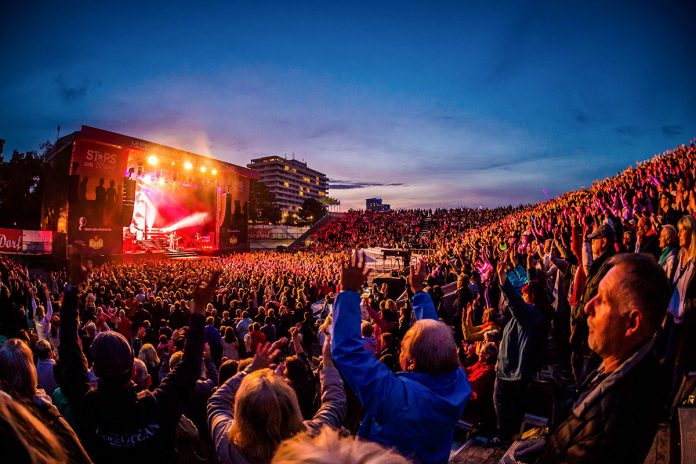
[354, 273]
[503, 269]
[417, 276]
[265, 354]
[203, 293]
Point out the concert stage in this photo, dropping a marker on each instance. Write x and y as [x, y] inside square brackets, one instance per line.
[118, 195]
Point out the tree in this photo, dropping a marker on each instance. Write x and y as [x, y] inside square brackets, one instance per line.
[21, 188]
[274, 215]
[262, 205]
[312, 211]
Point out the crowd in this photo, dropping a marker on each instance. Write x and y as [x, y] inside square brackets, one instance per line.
[274, 357]
[404, 228]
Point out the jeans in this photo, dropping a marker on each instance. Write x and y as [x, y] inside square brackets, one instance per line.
[509, 400]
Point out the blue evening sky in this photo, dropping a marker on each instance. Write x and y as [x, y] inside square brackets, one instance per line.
[424, 104]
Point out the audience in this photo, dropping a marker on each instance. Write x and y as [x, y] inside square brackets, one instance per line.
[594, 294]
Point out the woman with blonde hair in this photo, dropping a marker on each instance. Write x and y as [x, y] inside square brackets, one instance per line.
[24, 438]
[148, 355]
[265, 410]
[330, 447]
[681, 326]
[18, 378]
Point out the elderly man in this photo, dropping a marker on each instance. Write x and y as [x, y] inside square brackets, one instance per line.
[617, 411]
[415, 410]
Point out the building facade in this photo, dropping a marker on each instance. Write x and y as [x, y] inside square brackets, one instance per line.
[375, 204]
[291, 181]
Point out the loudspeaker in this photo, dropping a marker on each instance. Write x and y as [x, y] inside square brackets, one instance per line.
[128, 202]
[395, 286]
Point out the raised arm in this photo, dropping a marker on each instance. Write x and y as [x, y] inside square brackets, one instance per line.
[176, 387]
[523, 312]
[369, 379]
[423, 307]
[333, 397]
[73, 364]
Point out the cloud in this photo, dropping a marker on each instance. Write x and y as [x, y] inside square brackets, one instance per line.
[583, 117]
[632, 131]
[72, 93]
[671, 130]
[351, 185]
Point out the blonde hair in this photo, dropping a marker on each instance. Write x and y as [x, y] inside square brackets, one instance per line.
[17, 370]
[329, 447]
[25, 437]
[689, 223]
[148, 354]
[266, 412]
[431, 345]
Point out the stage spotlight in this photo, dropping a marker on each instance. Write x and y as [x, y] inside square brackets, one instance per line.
[160, 181]
[188, 165]
[203, 168]
[152, 160]
[214, 172]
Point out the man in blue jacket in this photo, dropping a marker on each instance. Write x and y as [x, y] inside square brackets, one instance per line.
[415, 410]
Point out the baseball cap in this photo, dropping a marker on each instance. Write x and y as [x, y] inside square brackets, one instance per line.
[604, 231]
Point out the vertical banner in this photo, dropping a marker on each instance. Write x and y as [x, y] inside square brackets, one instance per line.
[95, 210]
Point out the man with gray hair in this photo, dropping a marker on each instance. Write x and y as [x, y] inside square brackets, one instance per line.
[615, 416]
[414, 411]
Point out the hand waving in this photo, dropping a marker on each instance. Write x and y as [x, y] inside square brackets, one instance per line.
[203, 293]
[265, 354]
[354, 273]
[417, 276]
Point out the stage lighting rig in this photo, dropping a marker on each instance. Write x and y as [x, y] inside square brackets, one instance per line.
[203, 169]
[188, 165]
[152, 160]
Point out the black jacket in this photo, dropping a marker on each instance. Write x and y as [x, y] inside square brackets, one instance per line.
[120, 425]
[615, 421]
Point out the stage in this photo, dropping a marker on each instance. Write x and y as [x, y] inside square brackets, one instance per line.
[113, 195]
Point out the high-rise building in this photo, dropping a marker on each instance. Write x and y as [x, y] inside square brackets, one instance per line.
[291, 181]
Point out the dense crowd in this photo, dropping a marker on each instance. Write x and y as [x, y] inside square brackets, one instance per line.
[402, 228]
[274, 357]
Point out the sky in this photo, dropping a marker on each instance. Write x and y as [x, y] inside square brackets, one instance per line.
[424, 104]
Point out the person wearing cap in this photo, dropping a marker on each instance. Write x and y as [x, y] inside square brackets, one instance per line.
[602, 245]
[115, 422]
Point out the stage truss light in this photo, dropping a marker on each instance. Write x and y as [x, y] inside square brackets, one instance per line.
[152, 160]
[188, 165]
[214, 172]
[203, 169]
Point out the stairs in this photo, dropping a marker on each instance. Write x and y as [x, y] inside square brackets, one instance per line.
[300, 241]
[423, 232]
[181, 254]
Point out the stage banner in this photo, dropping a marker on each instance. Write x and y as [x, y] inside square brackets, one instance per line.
[95, 212]
[10, 240]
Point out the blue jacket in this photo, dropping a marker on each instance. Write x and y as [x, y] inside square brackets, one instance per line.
[412, 411]
[524, 338]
